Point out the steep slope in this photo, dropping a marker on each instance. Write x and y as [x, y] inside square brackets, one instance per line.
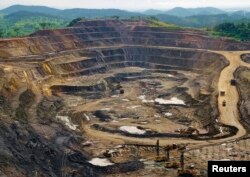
[99, 33]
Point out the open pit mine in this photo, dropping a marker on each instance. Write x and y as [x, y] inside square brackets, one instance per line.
[122, 98]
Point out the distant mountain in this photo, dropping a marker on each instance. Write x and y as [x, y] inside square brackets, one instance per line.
[25, 15]
[191, 17]
[70, 13]
[184, 12]
[179, 12]
[241, 13]
[206, 11]
[96, 13]
[36, 9]
[203, 20]
[153, 12]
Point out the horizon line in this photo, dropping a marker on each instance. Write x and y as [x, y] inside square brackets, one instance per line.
[133, 10]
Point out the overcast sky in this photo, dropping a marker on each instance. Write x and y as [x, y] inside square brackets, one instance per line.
[131, 4]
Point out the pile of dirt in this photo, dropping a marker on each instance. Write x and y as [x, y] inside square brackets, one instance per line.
[25, 101]
[48, 108]
[246, 58]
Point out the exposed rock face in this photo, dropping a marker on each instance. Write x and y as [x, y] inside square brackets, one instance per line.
[110, 33]
[246, 58]
[34, 155]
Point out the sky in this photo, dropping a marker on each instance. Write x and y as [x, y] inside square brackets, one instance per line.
[131, 4]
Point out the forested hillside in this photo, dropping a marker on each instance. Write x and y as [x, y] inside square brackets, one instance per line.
[239, 31]
[19, 20]
[24, 23]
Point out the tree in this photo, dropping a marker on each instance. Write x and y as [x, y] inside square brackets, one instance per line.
[73, 22]
[115, 17]
[153, 18]
[16, 30]
[46, 25]
[239, 31]
[2, 32]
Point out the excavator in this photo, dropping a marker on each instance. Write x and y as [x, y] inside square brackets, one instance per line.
[189, 131]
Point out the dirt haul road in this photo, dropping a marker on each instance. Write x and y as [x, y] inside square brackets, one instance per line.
[229, 115]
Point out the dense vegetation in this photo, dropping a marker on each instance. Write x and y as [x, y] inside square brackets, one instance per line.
[239, 31]
[185, 12]
[25, 23]
[21, 20]
[155, 22]
[201, 21]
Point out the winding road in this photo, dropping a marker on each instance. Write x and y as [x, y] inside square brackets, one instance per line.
[229, 115]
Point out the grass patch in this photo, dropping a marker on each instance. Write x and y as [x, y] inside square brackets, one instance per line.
[156, 23]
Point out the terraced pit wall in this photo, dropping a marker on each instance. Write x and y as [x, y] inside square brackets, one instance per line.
[111, 33]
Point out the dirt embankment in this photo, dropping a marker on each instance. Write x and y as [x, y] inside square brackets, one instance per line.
[243, 84]
[246, 58]
[25, 151]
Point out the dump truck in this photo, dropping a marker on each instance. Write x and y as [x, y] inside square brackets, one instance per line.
[222, 93]
[122, 91]
[233, 82]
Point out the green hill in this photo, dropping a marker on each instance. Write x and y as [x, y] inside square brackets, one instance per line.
[185, 12]
[201, 21]
[23, 23]
[25, 15]
[19, 20]
[70, 14]
[239, 31]
[36, 9]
